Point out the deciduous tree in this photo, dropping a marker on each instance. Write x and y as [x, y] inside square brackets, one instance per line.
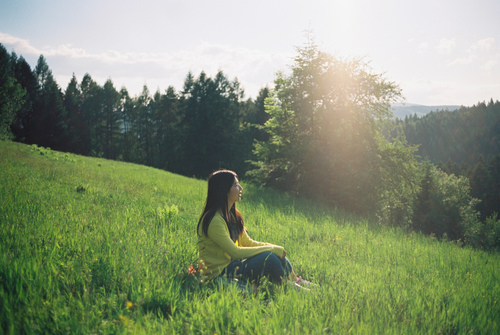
[323, 129]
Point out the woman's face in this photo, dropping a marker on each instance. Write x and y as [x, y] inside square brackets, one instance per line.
[234, 193]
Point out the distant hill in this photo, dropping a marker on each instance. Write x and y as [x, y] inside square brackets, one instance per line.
[459, 136]
[401, 110]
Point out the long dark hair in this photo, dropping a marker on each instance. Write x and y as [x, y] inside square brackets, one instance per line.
[219, 184]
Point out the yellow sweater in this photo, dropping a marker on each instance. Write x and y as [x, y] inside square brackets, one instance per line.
[216, 250]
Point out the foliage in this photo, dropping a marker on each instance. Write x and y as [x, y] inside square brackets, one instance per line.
[323, 126]
[444, 206]
[24, 121]
[276, 155]
[11, 94]
[49, 120]
[482, 234]
[209, 122]
[322, 133]
[485, 185]
[193, 132]
[399, 187]
[464, 143]
[85, 250]
[461, 136]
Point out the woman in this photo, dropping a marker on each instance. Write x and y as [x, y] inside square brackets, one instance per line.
[224, 247]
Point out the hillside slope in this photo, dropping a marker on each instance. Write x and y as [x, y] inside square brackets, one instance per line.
[461, 136]
[97, 246]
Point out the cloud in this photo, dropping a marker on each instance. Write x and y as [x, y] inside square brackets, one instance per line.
[22, 46]
[482, 45]
[255, 68]
[478, 50]
[446, 46]
[205, 53]
[449, 92]
[462, 61]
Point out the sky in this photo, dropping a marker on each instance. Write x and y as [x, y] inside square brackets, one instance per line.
[439, 52]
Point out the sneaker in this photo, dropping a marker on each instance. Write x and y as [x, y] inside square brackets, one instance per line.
[304, 283]
[296, 286]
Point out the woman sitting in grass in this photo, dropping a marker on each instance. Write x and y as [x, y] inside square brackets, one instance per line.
[224, 247]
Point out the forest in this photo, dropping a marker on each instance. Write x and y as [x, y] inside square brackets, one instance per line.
[465, 143]
[324, 131]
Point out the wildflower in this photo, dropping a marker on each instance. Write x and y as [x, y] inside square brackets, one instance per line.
[129, 304]
[192, 270]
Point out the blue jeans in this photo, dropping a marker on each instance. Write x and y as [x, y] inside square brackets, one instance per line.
[264, 264]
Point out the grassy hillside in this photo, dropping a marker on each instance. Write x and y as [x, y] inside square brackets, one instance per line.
[96, 246]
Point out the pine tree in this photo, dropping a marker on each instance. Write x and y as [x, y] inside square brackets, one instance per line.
[90, 127]
[23, 124]
[479, 182]
[492, 199]
[165, 116]
[424, 204]
[49, 113]
[11, 94]
[128, 141]
[74, 117]
[111, 118]
[209, 119]
[143, 128]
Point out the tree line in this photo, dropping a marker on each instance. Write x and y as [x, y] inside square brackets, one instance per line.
[465, 143]
[192, 132]
[324, 132]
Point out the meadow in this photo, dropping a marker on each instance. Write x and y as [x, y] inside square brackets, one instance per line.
[92, 246]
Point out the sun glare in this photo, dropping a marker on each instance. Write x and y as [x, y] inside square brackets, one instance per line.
[342, 23]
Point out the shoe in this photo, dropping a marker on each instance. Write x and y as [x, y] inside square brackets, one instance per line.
[296, 286]
[305, 283]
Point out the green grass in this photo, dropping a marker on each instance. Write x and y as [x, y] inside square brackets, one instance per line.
[98, 247]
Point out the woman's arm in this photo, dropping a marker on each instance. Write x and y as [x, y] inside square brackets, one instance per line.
[246, 241]
[218, 232]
